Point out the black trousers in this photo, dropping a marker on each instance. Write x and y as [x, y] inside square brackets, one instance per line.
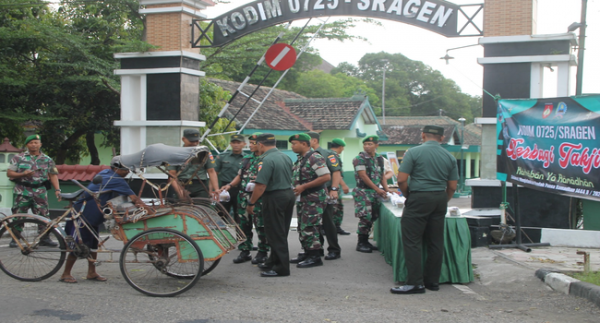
[330, 230]
[423, 219]
[277, 210]
[232, 205]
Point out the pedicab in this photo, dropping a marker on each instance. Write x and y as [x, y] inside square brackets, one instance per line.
[166, 249]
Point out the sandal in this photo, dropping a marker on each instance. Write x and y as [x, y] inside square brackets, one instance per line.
[68, 280]
[98, 278]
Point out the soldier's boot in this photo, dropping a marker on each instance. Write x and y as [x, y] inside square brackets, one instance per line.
[12, 244]
[363, 244]
[313, 260]
[341, 231]
[46, 242]
[243, 257]
[301, 257]
[259, 258]
[371, 246]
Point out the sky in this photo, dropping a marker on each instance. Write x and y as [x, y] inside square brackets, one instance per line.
[554, 16]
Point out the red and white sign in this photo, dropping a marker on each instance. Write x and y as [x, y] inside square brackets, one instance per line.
[280, 57]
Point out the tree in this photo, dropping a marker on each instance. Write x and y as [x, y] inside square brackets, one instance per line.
[235, 60]
[412, 88]
[318, 84]
[60, 66]
[212, 100]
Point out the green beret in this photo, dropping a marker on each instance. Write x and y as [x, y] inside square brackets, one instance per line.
[300, 137]
[237, 138]
[373, 138]
[339, 142]
[314, 135]
[266, 137]
[191, 134]
[434, 130]
[255, 135]
[32, 137]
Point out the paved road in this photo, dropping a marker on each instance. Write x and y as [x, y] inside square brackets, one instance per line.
[354, 288]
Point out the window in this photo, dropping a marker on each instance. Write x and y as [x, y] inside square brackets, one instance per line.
[281, 144]
[2, 158]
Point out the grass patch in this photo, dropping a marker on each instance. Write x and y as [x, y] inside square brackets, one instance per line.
[593, 277]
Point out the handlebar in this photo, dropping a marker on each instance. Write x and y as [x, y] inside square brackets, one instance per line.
[93, 194]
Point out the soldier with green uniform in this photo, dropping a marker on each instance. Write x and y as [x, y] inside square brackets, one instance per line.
[369, 170]
[337, 147]
[310, 175]
[195, 178]
[227, 167]
[274, 184]
[246, 175]
[333, 185]
[433, 174]
[33, 173]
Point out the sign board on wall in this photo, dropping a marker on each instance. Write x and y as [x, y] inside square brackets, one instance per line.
[551, 144]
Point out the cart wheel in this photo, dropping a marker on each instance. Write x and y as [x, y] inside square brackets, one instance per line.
[152, 259]
[30, 264]
[210, 265]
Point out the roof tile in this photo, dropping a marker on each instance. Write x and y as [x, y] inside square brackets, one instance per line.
[270, 116]
[79, 172]
[327, 114]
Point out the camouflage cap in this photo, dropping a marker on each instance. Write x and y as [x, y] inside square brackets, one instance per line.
[32, 137]
[314, 135]
[237, 138]
[436, 130]
[339, 142]
[300, 137]
[373, 139]
[191, 134]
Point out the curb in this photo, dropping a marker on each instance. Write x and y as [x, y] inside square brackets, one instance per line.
[569, 285]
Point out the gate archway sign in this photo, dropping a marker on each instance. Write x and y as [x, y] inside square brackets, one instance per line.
[280, 57]
[438, 16]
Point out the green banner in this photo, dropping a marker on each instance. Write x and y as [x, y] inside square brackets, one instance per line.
[551, 144]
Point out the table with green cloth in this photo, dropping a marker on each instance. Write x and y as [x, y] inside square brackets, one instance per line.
[456, 266]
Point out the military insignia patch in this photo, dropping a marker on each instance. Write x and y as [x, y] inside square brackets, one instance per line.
[332, 159]
[259, 166]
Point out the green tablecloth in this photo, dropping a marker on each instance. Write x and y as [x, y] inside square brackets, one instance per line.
[456, 267]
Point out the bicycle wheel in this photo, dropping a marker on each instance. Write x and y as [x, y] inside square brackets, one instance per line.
[211, 265]
[29, 264]
[161, 262]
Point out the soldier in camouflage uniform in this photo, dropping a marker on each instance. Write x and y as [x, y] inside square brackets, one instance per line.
[198, 180]
[247, 174]
[329, 231]
[369, 170]
[33, 173]
[337, 147]
[227, 167]
[310, 174]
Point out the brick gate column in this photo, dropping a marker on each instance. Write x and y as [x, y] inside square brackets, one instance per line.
[159, 88]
